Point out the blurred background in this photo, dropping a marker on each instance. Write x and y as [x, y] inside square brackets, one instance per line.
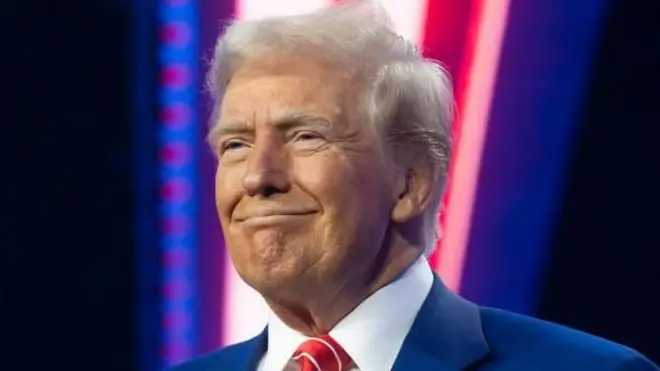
[113, 258]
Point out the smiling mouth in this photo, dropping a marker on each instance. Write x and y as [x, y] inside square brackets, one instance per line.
[274, 218]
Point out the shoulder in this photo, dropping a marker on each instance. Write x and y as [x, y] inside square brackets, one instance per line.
[528, 339]
[230, 358]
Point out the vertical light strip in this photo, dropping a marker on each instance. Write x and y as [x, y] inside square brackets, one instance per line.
[488, 23]
[408, 18]
[244, 311]
[178, 149]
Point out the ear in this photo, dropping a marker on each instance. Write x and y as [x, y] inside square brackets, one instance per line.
[415, 189]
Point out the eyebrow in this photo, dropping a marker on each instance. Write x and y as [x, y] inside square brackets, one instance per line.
[287, 120]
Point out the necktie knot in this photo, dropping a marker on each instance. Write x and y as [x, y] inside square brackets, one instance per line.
[321, 353]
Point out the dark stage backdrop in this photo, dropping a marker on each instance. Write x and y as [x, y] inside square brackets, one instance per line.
[603, 275]
[75, 84]
[68, 288]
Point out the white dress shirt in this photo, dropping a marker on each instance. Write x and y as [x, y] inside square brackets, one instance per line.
[372, 334]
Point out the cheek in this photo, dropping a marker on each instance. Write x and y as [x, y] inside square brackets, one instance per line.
[351, 191]
[227, 191]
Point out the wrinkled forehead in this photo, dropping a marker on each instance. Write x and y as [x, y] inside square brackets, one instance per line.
[286, 83]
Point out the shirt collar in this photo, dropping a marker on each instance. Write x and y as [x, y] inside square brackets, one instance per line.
[372, 334]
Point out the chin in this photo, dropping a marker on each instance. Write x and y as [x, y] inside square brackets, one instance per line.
[269, 261]
[272, 283]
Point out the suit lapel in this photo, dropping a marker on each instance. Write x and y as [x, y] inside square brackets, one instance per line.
[446, 334]
[256, 350]
[241, 357]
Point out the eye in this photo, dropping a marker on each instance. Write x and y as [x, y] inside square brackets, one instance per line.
[232, 145]
[306, 135]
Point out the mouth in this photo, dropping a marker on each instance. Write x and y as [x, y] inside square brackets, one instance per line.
[260, 219]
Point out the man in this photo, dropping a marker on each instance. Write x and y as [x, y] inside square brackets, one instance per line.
[332, 137]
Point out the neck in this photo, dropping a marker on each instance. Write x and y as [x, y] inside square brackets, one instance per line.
[317, 315]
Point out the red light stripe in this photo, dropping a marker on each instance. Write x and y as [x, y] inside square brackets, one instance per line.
[475, 89]
[446, 26]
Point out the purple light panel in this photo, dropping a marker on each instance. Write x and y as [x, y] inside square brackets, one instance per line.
[178, 178]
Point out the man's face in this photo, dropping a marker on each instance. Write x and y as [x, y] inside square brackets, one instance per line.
[302, 188]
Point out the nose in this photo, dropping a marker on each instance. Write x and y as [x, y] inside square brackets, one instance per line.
[266, 172]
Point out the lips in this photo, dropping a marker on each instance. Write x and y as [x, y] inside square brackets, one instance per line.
[270, 219]
[271, 213]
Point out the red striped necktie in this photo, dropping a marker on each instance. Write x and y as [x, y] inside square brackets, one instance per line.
[321, 354]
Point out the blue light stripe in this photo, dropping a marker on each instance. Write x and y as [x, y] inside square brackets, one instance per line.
[178, 207]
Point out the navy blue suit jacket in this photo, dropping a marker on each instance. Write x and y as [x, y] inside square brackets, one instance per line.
[452, 334]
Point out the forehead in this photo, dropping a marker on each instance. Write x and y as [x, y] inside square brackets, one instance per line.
[262, 88]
